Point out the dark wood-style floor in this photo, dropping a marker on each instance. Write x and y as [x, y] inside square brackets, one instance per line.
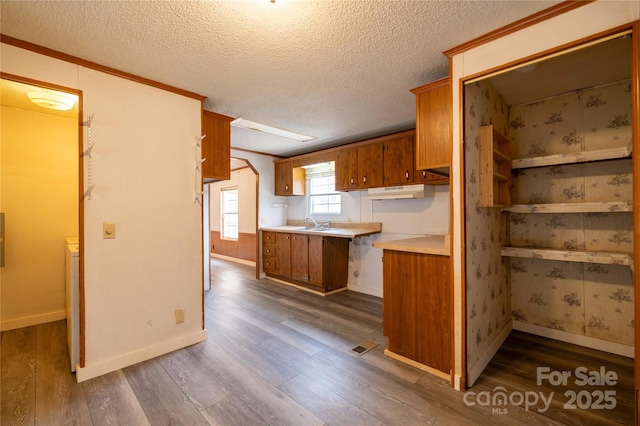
[280, 356]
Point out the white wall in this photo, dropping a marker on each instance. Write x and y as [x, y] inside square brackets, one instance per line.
[272, 210]
[143, 170]
[245, 181]
[40, 199]
[400, 219]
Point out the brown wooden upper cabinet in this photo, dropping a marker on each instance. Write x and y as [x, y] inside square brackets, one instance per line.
[346, 169]
[398, 161]
[216, 146]
[370, 163]
[289, 180]
[433, 126]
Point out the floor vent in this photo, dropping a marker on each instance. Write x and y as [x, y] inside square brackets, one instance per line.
[364, 347]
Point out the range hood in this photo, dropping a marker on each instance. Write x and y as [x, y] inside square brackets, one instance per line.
[400, 192]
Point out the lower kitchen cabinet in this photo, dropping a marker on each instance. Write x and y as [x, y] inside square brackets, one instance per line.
[313, 261]
[417, 308]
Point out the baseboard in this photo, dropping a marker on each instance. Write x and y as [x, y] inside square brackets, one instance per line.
[91, 371]
[366, 290]
[234, 259]
[418, 365]
[576, 339]
[457, 382]
[310, 290]
[478, 367]
[33, 320]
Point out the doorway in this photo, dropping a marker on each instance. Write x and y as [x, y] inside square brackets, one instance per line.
[39, 185]
[233, 214]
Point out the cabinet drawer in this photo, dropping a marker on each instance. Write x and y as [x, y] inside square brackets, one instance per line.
[269, 250]
[269, 264]
[268, 237]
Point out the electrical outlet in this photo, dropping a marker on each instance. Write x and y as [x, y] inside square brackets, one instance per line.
[179, 316]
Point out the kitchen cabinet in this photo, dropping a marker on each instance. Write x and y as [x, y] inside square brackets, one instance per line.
[300, 257]
[417, 308]
[370, 165]
[314, 261]
[283, 254]
[398, 161]
[433, 126]
[216, 146]
[346, 169]
[423, 176]
[289, 180]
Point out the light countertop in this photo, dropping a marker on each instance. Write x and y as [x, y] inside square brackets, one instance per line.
[429, 244]
[337, 229]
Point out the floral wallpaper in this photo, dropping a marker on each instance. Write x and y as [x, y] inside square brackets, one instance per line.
[594, 300]
[487, 287]
[589, 299]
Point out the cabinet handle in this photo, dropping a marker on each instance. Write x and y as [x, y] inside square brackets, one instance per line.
[364, 180]
[351, 181]
[287, 237]
[424, 174]
[406, 175]
[286, 187]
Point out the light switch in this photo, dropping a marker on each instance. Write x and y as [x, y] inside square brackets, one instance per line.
[108, 230]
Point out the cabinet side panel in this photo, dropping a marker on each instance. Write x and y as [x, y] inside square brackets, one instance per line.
[335, 259]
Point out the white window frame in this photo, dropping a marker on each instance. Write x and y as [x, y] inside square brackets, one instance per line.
[326, 194]
[229, 219]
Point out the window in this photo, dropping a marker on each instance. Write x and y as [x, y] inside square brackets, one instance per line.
[229, 213]
[323, 197]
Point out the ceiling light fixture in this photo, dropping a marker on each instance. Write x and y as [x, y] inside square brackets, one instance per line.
[252, 125]
[52, 99]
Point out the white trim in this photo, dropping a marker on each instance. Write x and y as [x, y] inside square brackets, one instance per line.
[481, 363]
[107, 366]
[576, 339]
[33, 320]
[234, 259]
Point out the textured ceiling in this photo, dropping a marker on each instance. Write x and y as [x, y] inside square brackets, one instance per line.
[337, 70]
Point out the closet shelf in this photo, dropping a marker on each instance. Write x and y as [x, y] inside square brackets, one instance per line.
[591, 207]
[581, 157]
[583, 256]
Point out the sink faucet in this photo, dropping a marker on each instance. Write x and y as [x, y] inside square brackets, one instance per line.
[315, 224]
[325, 225]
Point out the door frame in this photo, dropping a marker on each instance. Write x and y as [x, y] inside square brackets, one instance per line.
[81, 190]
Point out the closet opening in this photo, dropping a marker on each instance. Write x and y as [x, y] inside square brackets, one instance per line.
[549, 219]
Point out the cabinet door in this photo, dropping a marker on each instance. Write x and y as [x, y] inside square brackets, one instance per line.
[289, 180]
[284, 174]
[316, 260]
[370, 171]
[216, 146]
[347, 169]
[422, 176]
[433, 126]
[398, 161]
[283, 254]
[417, 307]
[300, 257]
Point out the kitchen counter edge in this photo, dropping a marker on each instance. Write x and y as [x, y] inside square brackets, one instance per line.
[338, 230]
[429, 244]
